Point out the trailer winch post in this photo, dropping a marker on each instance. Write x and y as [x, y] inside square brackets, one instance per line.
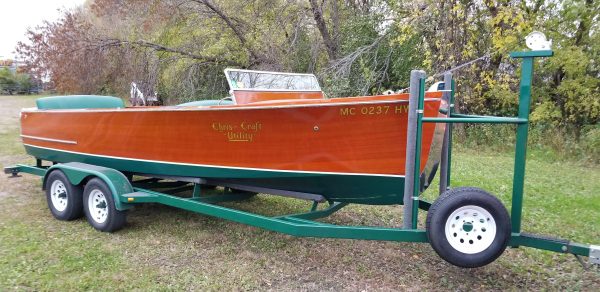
[522, 133]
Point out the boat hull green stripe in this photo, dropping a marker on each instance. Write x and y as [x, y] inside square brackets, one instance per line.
[350, 188]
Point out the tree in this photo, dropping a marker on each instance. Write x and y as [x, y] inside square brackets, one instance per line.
[15, 82]
[7, 81]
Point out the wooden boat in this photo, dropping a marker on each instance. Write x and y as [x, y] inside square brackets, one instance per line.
[277, 131]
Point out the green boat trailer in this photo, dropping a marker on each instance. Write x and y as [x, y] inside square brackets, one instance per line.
[124, 192]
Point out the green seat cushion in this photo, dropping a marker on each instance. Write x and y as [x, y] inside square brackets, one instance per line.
[207, 102]
[79, 101]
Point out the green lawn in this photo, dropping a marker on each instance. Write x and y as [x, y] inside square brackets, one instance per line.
[165, 248]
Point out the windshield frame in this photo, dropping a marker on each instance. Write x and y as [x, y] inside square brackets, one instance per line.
[231, 89]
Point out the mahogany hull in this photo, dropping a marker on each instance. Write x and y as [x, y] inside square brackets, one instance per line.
[344, 149]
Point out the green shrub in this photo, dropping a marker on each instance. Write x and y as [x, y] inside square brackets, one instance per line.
[590, 141]
[549, 142]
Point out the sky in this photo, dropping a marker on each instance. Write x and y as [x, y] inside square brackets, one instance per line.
[17, 15]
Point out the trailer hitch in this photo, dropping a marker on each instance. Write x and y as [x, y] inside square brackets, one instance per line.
[594, 258]
[559, 245]
[595, 255]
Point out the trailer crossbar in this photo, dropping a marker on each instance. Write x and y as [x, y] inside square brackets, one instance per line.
[476, 120]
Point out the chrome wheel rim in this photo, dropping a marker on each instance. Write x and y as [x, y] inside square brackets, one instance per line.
[470, 229]
[58, 195]
[98, 206]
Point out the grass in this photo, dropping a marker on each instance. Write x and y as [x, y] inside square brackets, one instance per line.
[164, 248]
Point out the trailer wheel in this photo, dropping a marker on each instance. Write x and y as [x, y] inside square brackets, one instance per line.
[468, 227]
[64, 199]
[99, 207]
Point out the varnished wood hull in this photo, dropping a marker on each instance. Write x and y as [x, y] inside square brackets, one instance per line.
[345, 149]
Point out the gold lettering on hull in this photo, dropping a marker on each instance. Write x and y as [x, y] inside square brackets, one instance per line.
[242, 132]
[239, 137]
[374, 110]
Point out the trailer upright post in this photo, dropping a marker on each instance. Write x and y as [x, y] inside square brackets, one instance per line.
[450, 126]
[417, 168]
[411, 147]
[445, 157]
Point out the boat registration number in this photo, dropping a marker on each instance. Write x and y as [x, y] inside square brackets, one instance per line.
[373, 110]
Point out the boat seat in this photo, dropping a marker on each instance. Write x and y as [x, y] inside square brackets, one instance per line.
[208, 102]
[79, 102]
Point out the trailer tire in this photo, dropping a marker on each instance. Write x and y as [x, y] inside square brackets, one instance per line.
[64, 199]
[99, 207]
[468, 227]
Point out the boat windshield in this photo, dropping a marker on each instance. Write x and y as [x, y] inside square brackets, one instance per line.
[270, 81]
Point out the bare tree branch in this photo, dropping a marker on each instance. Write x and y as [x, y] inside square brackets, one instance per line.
[330, 43]
[256, 56]
[342, 66]
[161, 48]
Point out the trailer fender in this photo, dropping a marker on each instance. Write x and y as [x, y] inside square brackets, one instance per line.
[78, 172]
